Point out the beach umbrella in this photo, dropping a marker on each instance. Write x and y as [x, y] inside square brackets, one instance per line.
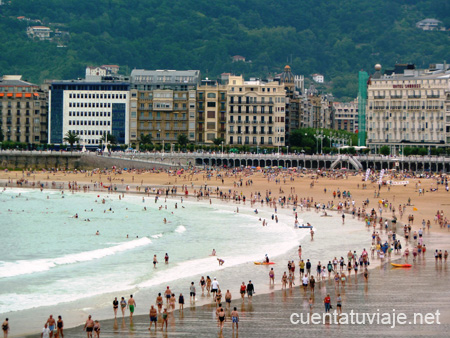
[258, 168]
[253, 167]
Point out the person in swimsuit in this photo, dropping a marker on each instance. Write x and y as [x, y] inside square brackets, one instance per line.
[115, 306]
[5, 328]
[243, 290]
[235, 318]
[60, 327]
[339, 303]
[97, 328]
[203, 284]
[208, 284]
[228, 298]
[123, 306]
[51, 325]
[159, 302]
[155, 260]
[168, 294]
[131, 305]
[181, 301]
[221, 318]
[164, 317]
[271, 277]
[153, 317]
[173, 300]
[89, 326]
[218, 296]
[166, 258]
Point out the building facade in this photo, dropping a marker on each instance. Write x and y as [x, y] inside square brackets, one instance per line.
[89, 109]
[164, 104]
[256, 112]
[211, 112]
[317, 110]
[408, 107]
[346, 116]
[23, 111]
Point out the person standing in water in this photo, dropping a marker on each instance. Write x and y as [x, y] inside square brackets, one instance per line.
[5, 328]
[155, 260]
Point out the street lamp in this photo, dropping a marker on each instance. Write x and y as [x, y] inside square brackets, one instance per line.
[222, 147]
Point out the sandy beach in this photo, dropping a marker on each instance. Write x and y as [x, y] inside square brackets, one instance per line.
[422, 206]
[277, 185]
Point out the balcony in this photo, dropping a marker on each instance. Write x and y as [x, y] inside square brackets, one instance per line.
[379, 97]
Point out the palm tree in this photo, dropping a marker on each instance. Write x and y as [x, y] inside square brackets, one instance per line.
[71, 138]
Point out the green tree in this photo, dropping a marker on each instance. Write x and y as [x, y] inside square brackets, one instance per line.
[71, 138]
[182, 140]
[109, 138]
[385, 150]
[218, 141]
[146, 139]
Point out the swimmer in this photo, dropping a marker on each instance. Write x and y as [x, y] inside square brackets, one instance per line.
[97, 233]
[213, 253]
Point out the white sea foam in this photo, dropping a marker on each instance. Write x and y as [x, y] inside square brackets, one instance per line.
[157, 236]
[23, 267]
[180, 229]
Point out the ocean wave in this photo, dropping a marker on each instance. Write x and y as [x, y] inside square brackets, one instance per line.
[180, 229]
[24, 267]
[157, 236]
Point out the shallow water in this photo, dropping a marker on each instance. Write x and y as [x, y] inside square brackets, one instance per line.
[59, 266]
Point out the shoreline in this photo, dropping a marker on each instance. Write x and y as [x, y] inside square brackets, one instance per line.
[286, 210]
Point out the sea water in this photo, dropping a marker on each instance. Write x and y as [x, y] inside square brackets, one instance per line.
[52, 262]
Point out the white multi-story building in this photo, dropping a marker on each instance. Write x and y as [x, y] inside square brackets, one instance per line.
[90, 110]
[408, 107]
[256, 112]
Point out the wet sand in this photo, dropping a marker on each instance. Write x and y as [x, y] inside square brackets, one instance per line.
[421, 289]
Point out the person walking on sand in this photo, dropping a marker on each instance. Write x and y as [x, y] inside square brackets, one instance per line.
[168, 294]
[153, 317]
[89, 327]
[165, 314]
[131, 305]
[250, 290]
[327, 303]
[235, 318]
[181, 302]
[5, 328]
[45, 331]
[243, 290]
[159, 302]
[97, 328]
[115, 306]
[221, 318]
[192, 292]
[51, 325]
[228, 299]
[60, 327]
[123, 306]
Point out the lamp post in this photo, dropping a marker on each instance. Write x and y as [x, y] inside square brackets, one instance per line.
[222, 147]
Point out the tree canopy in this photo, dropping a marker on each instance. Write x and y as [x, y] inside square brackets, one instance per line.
[335, 38]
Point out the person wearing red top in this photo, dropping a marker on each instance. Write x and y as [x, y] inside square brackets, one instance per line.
[327, 302]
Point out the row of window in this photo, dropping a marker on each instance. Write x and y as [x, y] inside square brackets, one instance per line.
[90, 132]
[89, 123]
[251, 110]
[96, 96]
[255, 140]
[90, 113]
[89, 104]
[18, 112]
[263, 89]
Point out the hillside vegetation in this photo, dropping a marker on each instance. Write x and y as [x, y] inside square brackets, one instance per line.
[335, 38]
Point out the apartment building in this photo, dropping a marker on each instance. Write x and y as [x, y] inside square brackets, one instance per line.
[346, 116]
[163, 104]
[256, 112]
[317, 110]
[90, 110]
[23, 110]
[408, 107]
[211, 111]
